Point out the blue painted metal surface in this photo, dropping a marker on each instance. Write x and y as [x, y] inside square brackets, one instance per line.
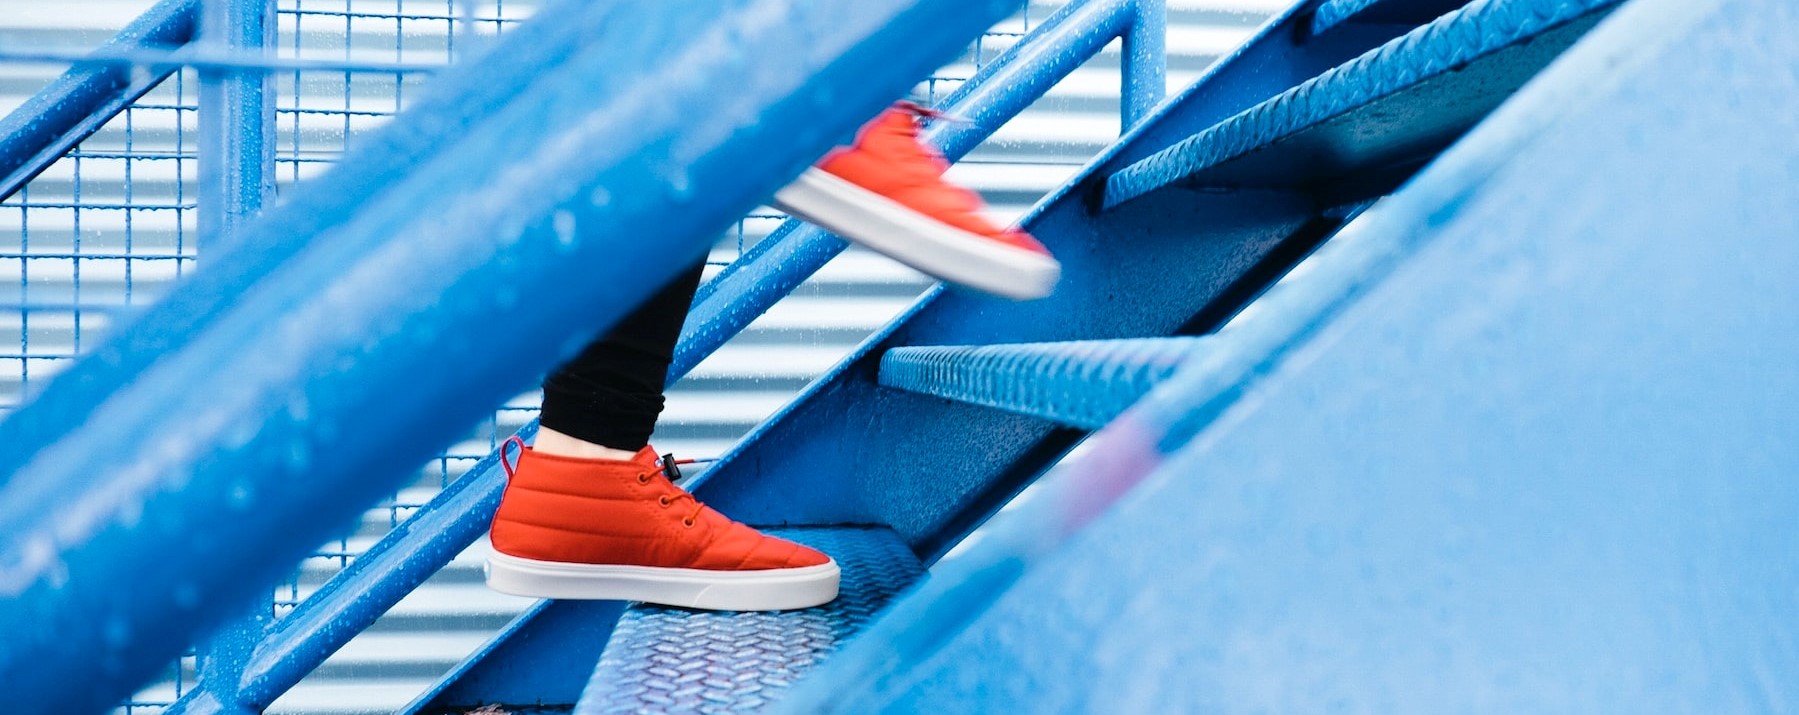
[1080, 383]
[668, 660]
[1334, 13]
[166, 60]
[1145, 66]
[1406, 99]
[77, 104]
[237, 118]
[541, 660]
[367, 304]
[728, 302]
[1501, 456]
[1115, 286]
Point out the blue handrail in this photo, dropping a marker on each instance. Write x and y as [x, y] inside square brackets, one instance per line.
[355, 298]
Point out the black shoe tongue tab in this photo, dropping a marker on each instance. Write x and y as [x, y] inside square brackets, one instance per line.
[670, 468]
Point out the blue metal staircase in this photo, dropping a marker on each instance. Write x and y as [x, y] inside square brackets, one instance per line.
[1480, 457]
[1382, 401]
[1381, 116]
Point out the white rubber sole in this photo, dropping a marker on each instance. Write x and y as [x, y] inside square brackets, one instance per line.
[889, 228]
[770, 590]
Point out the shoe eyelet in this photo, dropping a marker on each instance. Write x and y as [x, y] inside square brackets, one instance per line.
[663, 500]
[643, 479]
[687, 523]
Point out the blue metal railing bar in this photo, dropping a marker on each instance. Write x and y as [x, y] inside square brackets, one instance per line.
[168, 60]
[76, 105]
[365, 278]
[305, 212]
[400, 562]
[95, 206]
[348, 603]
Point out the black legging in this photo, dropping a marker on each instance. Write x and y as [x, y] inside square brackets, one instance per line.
[611, 394]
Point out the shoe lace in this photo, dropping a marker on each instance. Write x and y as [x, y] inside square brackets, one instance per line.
[668, 467]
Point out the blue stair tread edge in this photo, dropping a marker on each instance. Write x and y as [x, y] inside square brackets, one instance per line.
[1080, 383]
[672, 660]
[1337, 12]
[1453, 40]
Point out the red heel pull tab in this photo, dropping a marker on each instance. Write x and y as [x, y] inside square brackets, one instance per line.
[511, 467]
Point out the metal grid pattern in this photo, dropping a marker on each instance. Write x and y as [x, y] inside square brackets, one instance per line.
[319, 114]
[99, 231]
[113, 224]
[671, 660]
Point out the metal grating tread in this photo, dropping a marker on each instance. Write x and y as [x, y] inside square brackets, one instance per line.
[1444, 49]
[670, 660]
[1335, 13]
[1082, 383]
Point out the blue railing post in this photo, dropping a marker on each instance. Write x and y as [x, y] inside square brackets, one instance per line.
[1144, 80]
[237, 176]
[237, 117]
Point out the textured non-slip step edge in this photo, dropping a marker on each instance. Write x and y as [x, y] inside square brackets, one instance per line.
[1334, 13]
[669, 660]
[1082, 383]
[1412, 95]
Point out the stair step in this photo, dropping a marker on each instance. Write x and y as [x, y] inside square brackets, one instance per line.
[669, 660]
[1082, 383]
[1400, 102]
[1336, 13]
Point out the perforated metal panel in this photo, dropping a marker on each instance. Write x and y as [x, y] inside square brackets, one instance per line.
[671, 660]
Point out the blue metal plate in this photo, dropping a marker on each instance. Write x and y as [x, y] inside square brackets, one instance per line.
[1080, 383]
[1378, 108]
[672, 660]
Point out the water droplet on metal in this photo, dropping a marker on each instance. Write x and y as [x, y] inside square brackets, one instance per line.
[564, 223]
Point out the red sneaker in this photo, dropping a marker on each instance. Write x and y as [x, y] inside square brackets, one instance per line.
[887, 192]
[620, 530]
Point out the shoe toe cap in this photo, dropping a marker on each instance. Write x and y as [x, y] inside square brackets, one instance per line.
[775, 553]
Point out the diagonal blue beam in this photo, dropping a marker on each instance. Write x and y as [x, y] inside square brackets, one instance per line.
[511, 233]
[82, 100]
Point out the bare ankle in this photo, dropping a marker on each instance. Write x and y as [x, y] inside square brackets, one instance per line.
[550, 441]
